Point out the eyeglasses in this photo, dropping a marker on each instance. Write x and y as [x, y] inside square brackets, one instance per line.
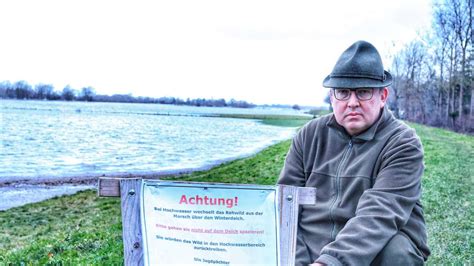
[363, 94]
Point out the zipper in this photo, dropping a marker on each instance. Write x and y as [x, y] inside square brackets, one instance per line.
[337, 185]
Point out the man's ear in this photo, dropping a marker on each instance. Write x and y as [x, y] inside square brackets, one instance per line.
[384, 95]
[331, 96]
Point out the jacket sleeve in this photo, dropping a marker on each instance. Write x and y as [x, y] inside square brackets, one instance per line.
[293, 174]
[293, 170]
[383, 209]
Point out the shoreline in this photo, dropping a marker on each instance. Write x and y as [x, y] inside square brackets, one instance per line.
[19, 191]
[90, 179]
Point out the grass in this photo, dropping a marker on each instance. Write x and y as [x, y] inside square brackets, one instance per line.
[448, 195]
[78, 229]
[274, 120]
[85, 229]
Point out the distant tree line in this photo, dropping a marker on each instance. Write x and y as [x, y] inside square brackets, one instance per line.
[23, 90]
[433, 76]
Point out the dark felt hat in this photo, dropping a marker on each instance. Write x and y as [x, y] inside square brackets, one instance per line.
[360, 66]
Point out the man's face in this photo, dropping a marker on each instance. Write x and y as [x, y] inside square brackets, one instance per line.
[357, 115]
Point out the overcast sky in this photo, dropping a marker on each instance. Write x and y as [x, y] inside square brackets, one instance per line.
[258, 51]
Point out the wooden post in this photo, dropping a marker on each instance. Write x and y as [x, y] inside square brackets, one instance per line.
[130, 192]
[289, 199]
[109, 187]
[288, 205]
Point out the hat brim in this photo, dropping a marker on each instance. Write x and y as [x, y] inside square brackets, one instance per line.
[354, 83]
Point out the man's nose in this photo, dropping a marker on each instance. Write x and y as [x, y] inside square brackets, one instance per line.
[353, 100]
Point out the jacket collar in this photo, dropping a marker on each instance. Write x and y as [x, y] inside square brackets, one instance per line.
[367, 135]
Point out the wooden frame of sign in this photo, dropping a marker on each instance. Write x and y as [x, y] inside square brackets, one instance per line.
[129, 190]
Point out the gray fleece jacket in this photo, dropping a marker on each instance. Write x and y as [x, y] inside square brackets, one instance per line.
[368, 189]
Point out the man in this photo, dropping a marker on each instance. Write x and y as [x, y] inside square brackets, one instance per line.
[367, 168]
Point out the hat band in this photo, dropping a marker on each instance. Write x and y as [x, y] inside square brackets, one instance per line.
[356, 75]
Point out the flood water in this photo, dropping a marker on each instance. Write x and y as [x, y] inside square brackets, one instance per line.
[66, 139]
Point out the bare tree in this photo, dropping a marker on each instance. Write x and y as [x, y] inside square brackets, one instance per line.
[446, 72]
[44, 91]
[453, 19]
[410, 83]
[87, 94]
[68, 93]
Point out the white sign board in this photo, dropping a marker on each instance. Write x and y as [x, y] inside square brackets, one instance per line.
[204, 224]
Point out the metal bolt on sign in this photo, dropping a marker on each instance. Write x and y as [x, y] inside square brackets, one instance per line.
[136, 245]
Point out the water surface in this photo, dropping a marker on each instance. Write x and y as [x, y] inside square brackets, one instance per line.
[66, 139]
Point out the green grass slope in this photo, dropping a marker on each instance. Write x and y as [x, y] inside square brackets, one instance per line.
[448, 195]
